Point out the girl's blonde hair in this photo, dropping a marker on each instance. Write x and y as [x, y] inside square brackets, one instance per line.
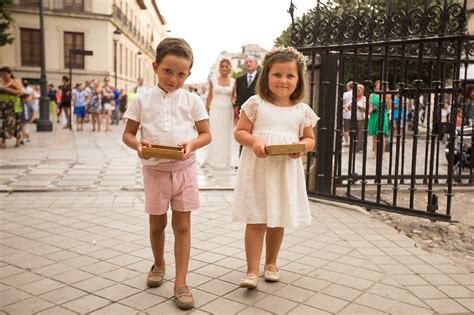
[282, 54]
[225, 60]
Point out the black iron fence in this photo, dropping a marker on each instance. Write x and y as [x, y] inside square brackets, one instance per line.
[404, 121]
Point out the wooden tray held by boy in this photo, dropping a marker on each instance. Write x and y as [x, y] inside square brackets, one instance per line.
[163, 152]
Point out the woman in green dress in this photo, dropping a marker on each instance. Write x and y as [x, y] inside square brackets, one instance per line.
[10, 107]
[373, 127]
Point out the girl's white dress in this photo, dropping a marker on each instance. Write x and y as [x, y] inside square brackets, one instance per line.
[221, 122]
[272, 190]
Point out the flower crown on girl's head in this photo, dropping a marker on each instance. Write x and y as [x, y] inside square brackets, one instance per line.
[300, 59]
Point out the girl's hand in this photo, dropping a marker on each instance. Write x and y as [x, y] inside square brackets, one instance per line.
[259, 149]
[297, 155]
[188, 148]
[143, 143]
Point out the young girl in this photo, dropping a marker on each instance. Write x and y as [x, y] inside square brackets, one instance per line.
[270, 192]
[169, 115]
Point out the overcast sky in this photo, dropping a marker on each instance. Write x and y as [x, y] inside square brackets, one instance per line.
[211, 26]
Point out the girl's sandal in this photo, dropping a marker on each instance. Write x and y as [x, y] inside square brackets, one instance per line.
[271, 276]
[250, 281]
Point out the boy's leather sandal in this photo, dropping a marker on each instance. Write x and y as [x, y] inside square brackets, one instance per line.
[155, 277]
[183, 298]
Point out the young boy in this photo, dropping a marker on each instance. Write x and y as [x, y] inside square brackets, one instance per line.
[169, 115]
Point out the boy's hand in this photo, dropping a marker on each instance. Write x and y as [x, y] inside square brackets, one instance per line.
[259, 149]
[143, 143]
[188, 148]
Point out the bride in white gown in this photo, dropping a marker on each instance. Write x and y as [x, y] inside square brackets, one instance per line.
[219, 105]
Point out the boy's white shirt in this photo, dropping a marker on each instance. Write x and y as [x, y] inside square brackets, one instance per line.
[166, 118]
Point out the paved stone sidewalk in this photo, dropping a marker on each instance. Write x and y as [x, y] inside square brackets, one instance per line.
[70, 160]
[88, 252]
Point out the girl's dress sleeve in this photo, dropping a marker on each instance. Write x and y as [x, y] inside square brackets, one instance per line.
[310, 119]
[250, 107]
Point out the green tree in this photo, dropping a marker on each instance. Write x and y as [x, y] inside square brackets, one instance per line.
[5, 20]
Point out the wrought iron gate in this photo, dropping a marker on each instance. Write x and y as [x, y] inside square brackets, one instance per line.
[417, 54]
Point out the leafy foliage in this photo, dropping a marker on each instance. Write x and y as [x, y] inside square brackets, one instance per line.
[5, 20]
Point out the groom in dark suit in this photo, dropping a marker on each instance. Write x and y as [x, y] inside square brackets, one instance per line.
[245, 84]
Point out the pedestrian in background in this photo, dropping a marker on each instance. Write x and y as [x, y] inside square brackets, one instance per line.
[182, 122]
[52, 101]
[66, 100]
[80, 99]
[95, 105]
[10, 107]
[108, 102]
[270, 192]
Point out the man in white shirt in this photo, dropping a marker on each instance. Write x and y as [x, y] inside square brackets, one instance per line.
[346, 112]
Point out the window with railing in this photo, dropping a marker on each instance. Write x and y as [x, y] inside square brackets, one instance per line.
[30, 47]
[73, 41]
[30, 3]
[74, 5]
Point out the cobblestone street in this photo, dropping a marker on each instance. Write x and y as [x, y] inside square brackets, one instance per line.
[77, 243]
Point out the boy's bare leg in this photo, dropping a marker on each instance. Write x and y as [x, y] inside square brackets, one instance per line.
[181, 223]
[157, 238]
[254, 234]
[273, 240]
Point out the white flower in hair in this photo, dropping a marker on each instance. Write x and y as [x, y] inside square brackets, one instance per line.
[300, 58]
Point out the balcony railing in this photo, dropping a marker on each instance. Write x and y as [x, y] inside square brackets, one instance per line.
[76, 6]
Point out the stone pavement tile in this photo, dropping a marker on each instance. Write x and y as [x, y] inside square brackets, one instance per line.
[116, 292]
[120, 274]
[12, 295]
[62, 255]
[307, 310]
[202, 298]
[387, 291]
[212, 271]
[410, 260]
[375, 301]
[368, 274]
[253, 310]
[80, 261]
[276, 304]
[142, 300]
[21, 279]
[359, 309]
[312, 284]
[397, 269]
[166, 290]
[28, 306]
[327, 275]
[467, 303]
[410, 279]
[220, 304]
[231, 263]
[100, 268]
[93, 284]
[342, 292]
[298, 268]
[356, 283]
[4, 287]
[168, 307]
[195, 279]
[438, 279]
[464, 279]
[445, 306]
[41, 286]
[422, 268]
[246, 296]
[294, 293]
[456, 291]
[86, 304]
[57, 310]
[338, 267]
[426, 292]
[72, 276]
[268, 287]
[121, 260]
[62, 295]
[326, 303]
[115, 309]
[138, 282]
[218, 287]
[449, 268]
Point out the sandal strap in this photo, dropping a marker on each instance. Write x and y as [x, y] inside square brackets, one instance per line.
[181, 292]
[271, 266]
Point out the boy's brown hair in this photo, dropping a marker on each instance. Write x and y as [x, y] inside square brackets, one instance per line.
[176, 47]
[262, 88]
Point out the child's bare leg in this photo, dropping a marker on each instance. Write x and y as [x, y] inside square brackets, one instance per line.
[157, 238]
[273, 240]
[254, 234]
[181, 223]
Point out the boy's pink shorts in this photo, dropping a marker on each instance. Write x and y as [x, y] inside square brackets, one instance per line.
[172, 183]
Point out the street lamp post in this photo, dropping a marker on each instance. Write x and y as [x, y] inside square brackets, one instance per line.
[43, 123]
[139, 55]
[117, 34]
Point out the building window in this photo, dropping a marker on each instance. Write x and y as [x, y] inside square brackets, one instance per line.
[76, 5]
[30, 47]
[29, 3]
[73, 41]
